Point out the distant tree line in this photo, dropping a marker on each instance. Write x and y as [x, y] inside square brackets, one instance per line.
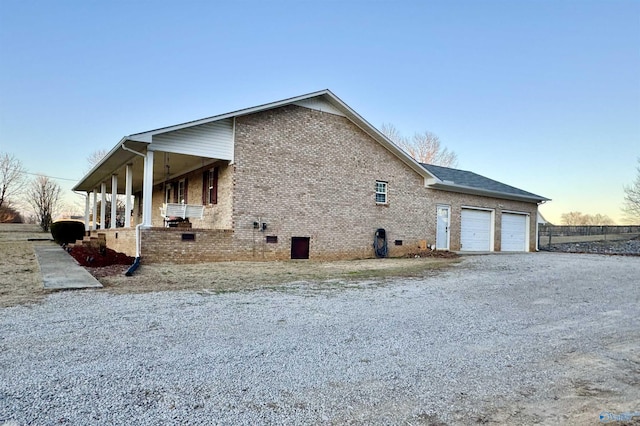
[578, 219]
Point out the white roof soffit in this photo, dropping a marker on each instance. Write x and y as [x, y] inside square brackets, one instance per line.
[112, 161]
[486, 192]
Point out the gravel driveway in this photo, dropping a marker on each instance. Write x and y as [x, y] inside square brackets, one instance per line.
[513, 339]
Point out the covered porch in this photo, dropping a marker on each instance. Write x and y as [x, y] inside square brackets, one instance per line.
[165, 176]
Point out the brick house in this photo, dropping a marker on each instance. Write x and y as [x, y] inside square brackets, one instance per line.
[305, 177]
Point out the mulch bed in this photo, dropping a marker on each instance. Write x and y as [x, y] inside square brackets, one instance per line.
[96, 257]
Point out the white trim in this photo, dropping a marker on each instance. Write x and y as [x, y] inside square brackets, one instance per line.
[114, 200]
[448, 206]
[87, 206]
[103, 204]
[147, 190]
[386, 192]
[127, 191]
[489, 209]
[95, 209]
[516, 212]
[462, 189]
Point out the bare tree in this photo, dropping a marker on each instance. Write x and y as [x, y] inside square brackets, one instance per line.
[425, 147]
[11, 177]
[631, 206]
[43, 195]
[95, 157]
[578, 219]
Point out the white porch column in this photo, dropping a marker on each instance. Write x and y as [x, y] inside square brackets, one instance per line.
[147, 190]
[127, 192]
[87, 205]
[95, 209]
[103, 202]
[114, 200]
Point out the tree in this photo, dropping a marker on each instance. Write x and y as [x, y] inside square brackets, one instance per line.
[579, 219]
[11, 178]
[8, 214]
[43, 195]
[632, 198]
[95, 157]
[424, 147]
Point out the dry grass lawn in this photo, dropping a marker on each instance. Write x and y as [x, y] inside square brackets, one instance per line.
[238, 276]
[21, 282]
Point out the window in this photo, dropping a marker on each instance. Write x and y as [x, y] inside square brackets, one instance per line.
[210, 186]
[181, 192]
[381, 192]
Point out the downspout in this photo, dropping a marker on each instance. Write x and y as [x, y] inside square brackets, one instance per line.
[136, 262]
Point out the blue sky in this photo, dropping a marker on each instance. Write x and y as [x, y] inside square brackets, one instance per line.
[542, 95]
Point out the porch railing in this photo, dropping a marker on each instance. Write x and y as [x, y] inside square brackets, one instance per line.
[173, 210]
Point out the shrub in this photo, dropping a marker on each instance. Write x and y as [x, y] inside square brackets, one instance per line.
[67, 231]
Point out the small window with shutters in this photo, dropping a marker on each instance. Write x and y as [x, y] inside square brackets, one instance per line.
[210, 186]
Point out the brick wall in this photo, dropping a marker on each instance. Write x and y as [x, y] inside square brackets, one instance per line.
[216, 216]
[456, 201]
[121, 240]
[170, 245]
[312, 174]
[306, 173]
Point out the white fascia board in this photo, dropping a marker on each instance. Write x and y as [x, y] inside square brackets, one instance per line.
[333, 99]
[100, 163]
[232, 114]
[141, 137]
[486, 192]
[104, 159]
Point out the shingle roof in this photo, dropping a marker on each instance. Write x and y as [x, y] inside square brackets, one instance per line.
[456, 178]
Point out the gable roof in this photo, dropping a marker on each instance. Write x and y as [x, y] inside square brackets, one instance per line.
[121, 153]
[472, 183]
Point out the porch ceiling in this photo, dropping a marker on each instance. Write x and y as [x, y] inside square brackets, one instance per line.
[166, 166]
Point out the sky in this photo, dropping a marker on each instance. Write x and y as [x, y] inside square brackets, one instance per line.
[541, 95]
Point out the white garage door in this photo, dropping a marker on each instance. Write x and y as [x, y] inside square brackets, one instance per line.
[475, 232]
[514, 232]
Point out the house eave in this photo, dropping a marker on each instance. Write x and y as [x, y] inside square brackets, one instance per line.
[488, 193]
[112, 161]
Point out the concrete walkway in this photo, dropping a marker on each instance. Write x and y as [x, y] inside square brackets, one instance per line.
[61, 271]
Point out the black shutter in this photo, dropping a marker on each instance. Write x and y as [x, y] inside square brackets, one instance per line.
[214, 190]
[205, 187]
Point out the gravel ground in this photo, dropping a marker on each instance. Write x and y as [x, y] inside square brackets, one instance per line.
[514, 339]
[628, 247]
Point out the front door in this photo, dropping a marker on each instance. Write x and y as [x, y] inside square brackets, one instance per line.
[442, 227]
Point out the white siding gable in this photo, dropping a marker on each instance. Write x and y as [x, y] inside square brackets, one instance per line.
[319, 104]
[211, 140]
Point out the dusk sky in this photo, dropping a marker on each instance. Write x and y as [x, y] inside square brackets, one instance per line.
[541, 95]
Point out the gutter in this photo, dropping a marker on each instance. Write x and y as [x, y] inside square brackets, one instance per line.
[136, 262]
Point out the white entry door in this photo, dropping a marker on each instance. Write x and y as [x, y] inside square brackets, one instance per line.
[442, 227]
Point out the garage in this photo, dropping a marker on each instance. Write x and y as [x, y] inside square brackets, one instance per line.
[514, 232]
[475, 233]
